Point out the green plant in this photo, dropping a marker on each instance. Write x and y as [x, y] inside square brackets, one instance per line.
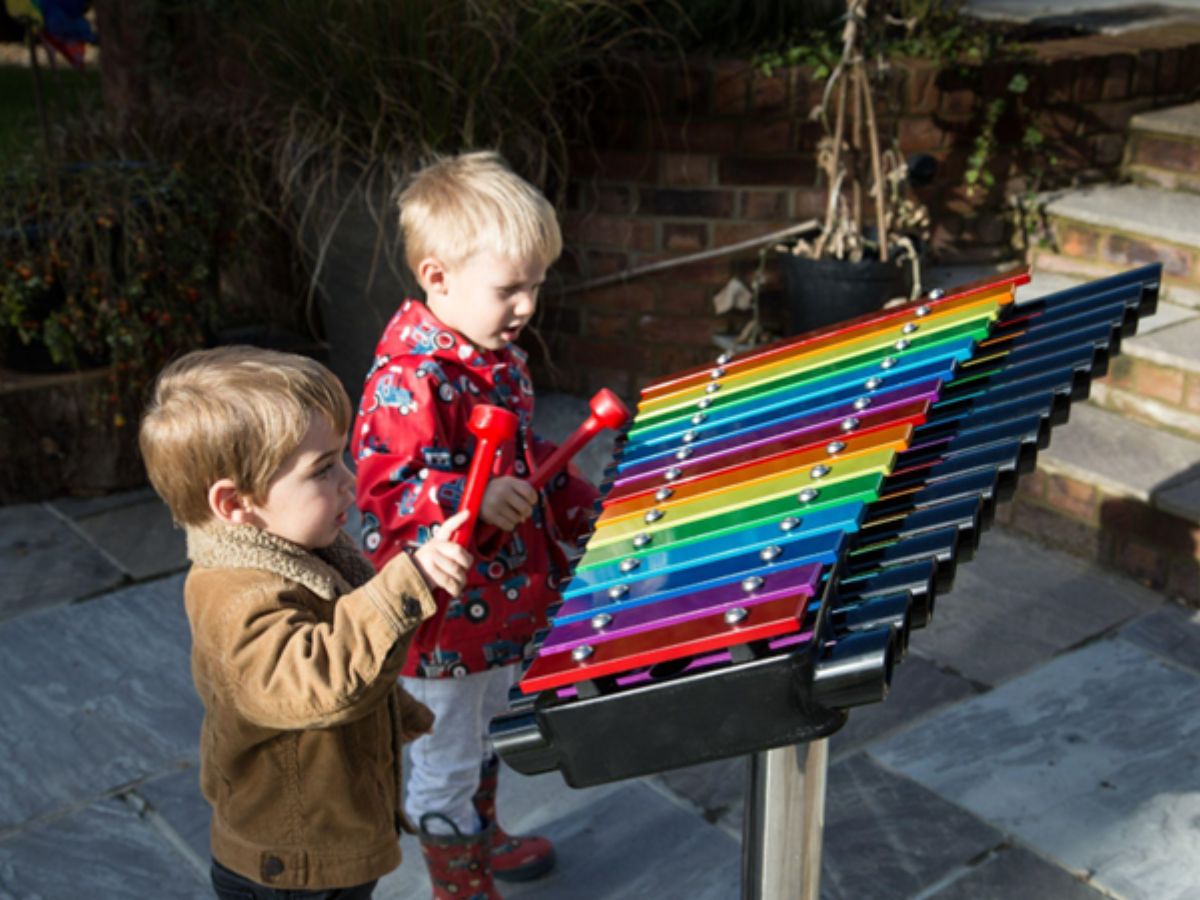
[108, 265]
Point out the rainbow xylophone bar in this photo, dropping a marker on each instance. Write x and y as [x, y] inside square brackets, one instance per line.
[773, 527]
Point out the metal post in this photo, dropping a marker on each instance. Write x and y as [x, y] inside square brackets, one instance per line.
[783, 823]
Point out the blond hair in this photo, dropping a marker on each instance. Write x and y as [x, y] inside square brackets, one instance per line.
[461, 205]
[233, 412]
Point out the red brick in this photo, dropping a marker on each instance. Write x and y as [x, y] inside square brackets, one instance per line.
[958, 104]
[696, 135]
[692, 92]
[693, 330]
[1059, 82]
[731, 88]
[616, 199]
[707, 271]
[764, 205]
[608, 325]
[684, 299]
[809, 203]
[768, 93]
[760, 136]
[613, 231]
[1113, 117]
[921, 91]
[1106, 149]
[1168, 81]
[704, 203]
[637, 296]
[1145, 74]
[1191, 396]
[613, 164]
[1117, 77]
[686, 169]
[581, 351]
[1159, 382]
[1127, 251]
[1075, 498]
[684, 237]
[599, 262]
[1121, 373]
[725, 233]
[766, 170]
[1089, 79]
[918, 134]
[1139, 560]
[1166, 153]
[1170, 534]
[1073, 241]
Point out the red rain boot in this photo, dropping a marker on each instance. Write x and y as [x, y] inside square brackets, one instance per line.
[513, 858]
[459, 864]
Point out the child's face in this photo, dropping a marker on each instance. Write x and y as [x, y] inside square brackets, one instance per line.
[308, 498]
[488, 298]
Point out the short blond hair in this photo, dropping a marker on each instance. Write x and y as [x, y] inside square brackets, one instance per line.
[233, 412]
[460, 205]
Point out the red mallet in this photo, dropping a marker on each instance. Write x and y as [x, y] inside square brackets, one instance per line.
[492, 427]
[607, 412]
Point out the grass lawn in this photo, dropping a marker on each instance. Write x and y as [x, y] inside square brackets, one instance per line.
[64, 90]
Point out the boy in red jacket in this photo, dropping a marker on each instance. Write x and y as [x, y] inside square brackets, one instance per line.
[479, 240]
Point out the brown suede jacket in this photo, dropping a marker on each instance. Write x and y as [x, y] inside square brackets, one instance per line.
[295, 656]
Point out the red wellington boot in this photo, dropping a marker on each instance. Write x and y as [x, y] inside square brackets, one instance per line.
[513, 858]
[460, 866]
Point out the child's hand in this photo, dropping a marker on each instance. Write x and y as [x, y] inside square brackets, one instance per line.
[416, 720]
[507, 502]
[442, 562]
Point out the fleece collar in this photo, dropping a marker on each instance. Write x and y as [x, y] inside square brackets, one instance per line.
[329, 572]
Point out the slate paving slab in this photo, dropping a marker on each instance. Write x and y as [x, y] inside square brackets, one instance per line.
[1016, 605]
[45, 563]
[888, 837]
[1171, 632]
[105, 850]
[614, 842]
[96, 696]
[140, 537]
[1013, 872]
[1091, 760]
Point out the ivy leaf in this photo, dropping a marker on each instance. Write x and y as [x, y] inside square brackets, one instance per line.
[1019, 84]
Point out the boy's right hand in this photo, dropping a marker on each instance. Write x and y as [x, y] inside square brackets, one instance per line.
[442, 562]
[507, 502]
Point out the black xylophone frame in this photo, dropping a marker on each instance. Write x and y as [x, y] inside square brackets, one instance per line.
[984, 430]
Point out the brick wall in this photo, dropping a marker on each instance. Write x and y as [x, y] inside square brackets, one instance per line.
[693, 156]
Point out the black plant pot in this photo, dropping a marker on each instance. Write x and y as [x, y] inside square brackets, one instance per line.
[820, 292]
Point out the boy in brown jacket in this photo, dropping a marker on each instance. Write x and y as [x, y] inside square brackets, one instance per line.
[296, 642]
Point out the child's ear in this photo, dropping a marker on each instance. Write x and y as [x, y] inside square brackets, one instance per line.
[227, 503]
[432, 275]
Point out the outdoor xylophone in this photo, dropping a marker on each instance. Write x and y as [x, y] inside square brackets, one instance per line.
[773, 527]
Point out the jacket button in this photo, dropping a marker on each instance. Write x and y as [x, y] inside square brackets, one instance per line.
[272, 866]
[412, 607]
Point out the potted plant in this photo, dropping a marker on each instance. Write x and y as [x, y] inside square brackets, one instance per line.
[868, 248]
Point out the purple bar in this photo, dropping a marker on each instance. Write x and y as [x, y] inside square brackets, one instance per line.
[651, 616]
[653, 467]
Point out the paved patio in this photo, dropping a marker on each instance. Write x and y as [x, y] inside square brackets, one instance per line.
[1041, 741]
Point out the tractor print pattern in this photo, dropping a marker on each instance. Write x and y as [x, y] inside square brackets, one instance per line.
[413, 448]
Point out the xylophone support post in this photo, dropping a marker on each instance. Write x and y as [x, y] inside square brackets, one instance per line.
[784, 822]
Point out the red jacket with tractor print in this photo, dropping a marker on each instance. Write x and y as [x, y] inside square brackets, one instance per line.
[413, 449]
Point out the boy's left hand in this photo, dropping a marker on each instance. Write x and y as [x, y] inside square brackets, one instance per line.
[416, 720]
[507, 502]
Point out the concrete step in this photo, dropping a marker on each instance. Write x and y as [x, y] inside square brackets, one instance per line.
[1164, 148]
[1156, 378]
[1113, 490]
[1107, 228]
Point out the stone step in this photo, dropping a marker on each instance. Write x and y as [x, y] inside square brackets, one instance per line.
[1106, 228]
[1164, 148]
[1120, 493]
[1156, 378]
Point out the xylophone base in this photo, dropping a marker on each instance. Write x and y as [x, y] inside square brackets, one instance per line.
[784, 822]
